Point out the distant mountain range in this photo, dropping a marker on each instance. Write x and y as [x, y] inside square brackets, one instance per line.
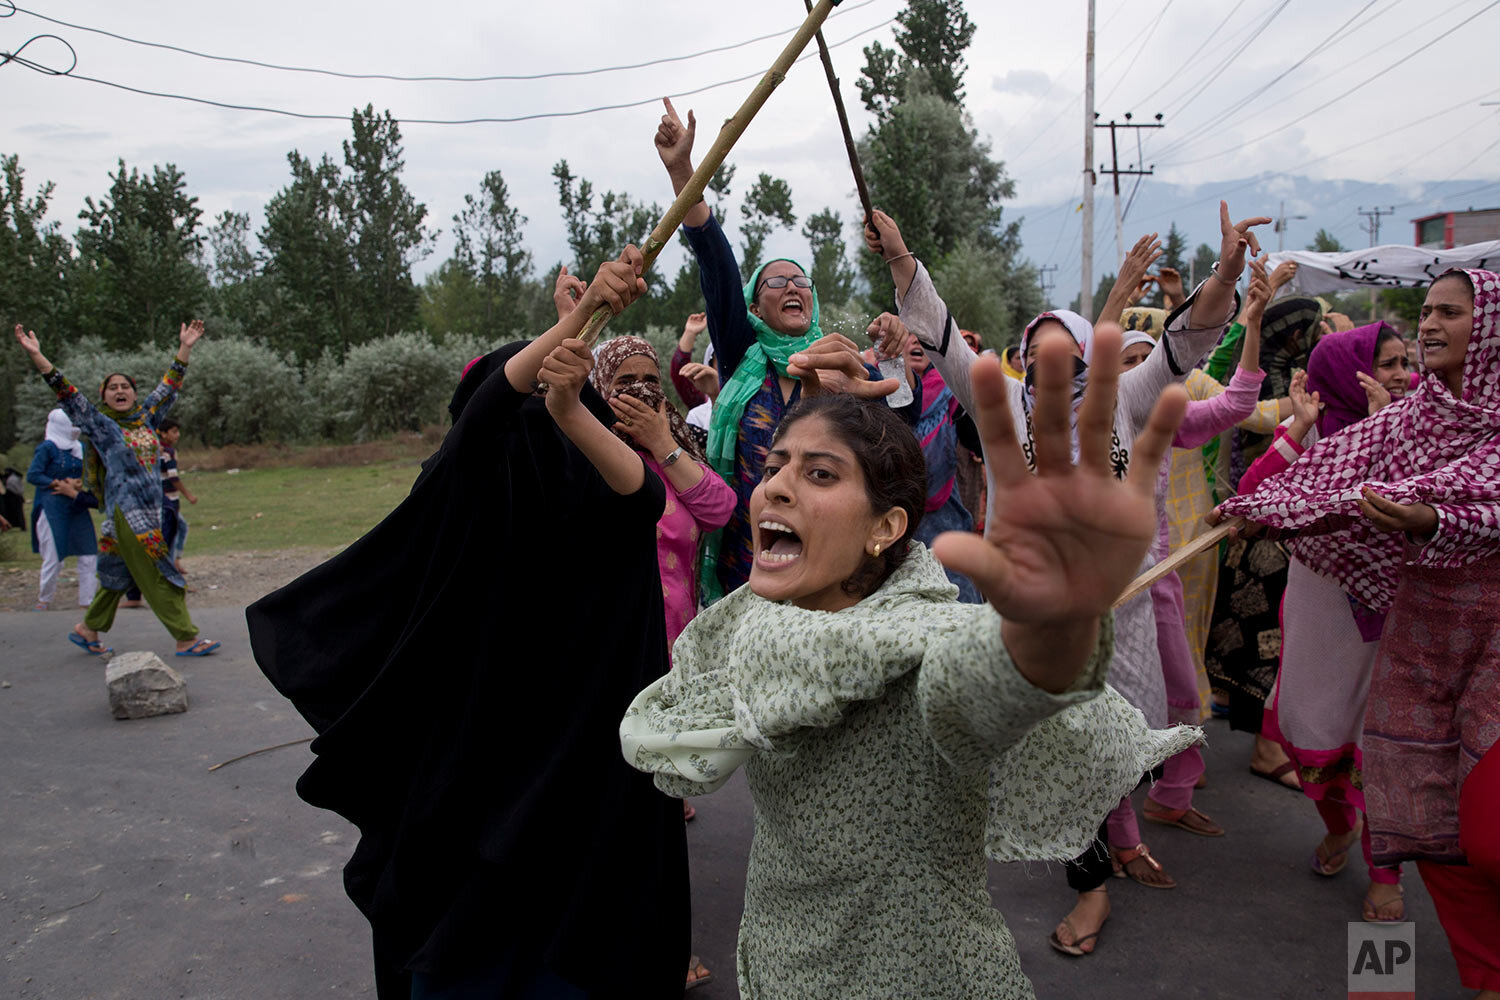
[1050, 232]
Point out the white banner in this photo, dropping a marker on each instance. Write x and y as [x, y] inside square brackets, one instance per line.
[1393, 266]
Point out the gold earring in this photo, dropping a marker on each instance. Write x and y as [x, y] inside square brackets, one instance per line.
[877, 550]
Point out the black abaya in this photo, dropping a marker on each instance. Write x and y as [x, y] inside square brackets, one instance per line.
[466, 665]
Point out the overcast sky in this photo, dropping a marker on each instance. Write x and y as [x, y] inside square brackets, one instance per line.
[1190, 61]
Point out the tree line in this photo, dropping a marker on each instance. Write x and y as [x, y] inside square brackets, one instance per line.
[331, 268]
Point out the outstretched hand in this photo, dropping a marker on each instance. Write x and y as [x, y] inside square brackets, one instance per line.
[1059, 546]
[191, 333]
[1236, 238]
[832, 364]
[27, 340]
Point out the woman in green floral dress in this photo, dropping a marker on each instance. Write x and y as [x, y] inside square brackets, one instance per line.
[892, 737]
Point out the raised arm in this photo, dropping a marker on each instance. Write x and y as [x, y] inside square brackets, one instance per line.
[158, 403]
[565, 371]
[922, 310]
[73, 403]
[1208, 418]
[617, 284]
[1133, 270]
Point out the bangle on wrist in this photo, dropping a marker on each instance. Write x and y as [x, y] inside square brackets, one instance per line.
[892, 260]
[1215, 272]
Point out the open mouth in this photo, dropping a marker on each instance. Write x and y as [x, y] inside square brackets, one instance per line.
[778, 543]
[792, 305]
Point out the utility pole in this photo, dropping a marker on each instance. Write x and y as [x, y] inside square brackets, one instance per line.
[1371, 225]
[1042, 279]
[1114, 170]
[1086, 295]
[1281, 220]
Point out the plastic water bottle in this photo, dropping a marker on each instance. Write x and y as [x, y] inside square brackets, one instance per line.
[896, 368]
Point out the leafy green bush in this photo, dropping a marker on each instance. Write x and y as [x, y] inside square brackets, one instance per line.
[240, 392]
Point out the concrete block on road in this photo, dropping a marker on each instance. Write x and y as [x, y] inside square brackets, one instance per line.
[141, 685]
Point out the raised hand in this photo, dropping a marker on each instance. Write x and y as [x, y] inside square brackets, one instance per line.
[1283, 275]
[27, 340]
[1128, 283]
[696, 324]
[674, 141]
[1170, 280]
[1306, 406]
[1376, 394]
[617, 284]
[567, 291]
[833, 364]
[884, 238]
[191, 333]
[1259, 294]
[1061, 545]
[703, 377]
[564, 371]
[1236, 239]
[1340, 322]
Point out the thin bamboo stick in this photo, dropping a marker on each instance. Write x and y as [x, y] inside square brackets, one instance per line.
[723, 143]
[838, 105]
[1202, 543]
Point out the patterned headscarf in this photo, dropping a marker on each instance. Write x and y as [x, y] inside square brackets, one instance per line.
[1428, 448]
[1332, 372]
[1082, 332]
[608, 357]
[1144, 320]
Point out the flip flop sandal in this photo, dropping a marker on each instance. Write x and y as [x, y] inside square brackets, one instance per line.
[1274, 776]
[1336, 860]
[1073, 949]
[88, 647]
[1140, 851]
[694, 964]
[1184, 819]
[199, 649]
[1371, 907]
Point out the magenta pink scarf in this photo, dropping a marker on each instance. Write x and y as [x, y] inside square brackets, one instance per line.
[1427, 448]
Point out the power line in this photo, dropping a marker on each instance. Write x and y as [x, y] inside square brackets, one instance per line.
[1218, 120]
[1326, 104]
[1196, 91]
[6, 57]
[13, 9]
[1136, 61]
[1171, 78]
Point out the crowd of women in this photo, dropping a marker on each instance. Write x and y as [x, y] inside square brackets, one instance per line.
[886, 592]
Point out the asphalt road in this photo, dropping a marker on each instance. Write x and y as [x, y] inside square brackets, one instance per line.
[128, 870]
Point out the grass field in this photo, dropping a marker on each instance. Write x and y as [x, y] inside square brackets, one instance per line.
[276, 498]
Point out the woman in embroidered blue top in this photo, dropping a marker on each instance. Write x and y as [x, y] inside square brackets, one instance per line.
[120, 468]
[761, 331]
[60, 522]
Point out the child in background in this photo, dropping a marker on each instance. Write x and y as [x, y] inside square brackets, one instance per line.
[173, 527]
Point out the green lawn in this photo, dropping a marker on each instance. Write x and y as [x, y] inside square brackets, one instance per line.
[276, 508]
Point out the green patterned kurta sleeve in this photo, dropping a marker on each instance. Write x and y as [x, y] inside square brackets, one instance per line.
[977, 705]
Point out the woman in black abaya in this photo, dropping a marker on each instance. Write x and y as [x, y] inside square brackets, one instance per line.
[466, 664]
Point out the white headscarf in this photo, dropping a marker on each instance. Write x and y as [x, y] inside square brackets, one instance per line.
[1081, 330]
[62, 433]
[1133, 337]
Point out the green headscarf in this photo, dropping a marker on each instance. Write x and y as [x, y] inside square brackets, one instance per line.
[729, 408]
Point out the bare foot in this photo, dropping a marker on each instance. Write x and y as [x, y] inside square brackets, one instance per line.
[1332, 852]
[1383, 903]
[697, 973]
[1268, 758]
[1084, 920]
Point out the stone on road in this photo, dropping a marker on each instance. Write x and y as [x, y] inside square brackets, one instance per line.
[141, 686]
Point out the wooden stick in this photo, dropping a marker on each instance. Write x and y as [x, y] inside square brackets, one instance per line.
[728, 135]
[1202, 543]
[838, 104]
[252, 753]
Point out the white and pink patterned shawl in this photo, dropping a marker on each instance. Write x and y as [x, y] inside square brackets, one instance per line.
[1427, 448]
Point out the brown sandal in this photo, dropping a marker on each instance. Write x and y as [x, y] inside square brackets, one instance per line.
[1122, 858]
[1188, 819]
[1076, 949]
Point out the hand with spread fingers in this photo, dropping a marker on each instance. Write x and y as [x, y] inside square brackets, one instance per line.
[1060, 545]
[1377, 395]
[1216, 297]
[832, 364]
[567, 291]
[1418, 520]
[1170, 281]
[1134, 270]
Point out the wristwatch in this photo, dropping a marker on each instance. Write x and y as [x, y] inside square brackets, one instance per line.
[675, 454]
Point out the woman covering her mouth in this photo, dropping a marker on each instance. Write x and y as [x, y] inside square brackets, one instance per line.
[1401, 510]
[891, 736]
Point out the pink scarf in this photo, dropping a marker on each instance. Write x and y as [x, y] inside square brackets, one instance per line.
[1427, 448]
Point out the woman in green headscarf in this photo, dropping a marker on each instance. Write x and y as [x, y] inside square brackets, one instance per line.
[760, 330]
[121, 467]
